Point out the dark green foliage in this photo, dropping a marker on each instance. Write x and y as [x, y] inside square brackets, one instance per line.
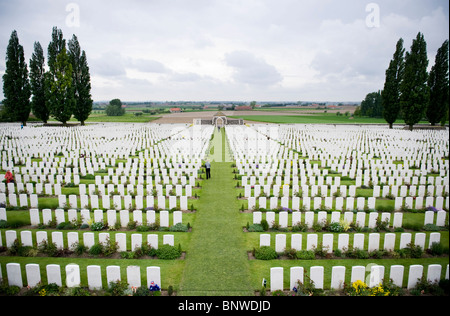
[179, 228]
[265, 225]
[7, 290]
[167, 252]
[115, 108]
[372, 105]
[170, 290]
[117, 288]
[60, 94]
[96, 249]
[81, 81]
[391, 92]
[55, 47]
[438, 83]
[255, 228]
[414, 89]
[37, 79]
[265, 253]
[437, 249]
[306, 255]
[16, 86]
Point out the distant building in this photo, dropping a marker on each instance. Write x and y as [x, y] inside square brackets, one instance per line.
[175, 110]
[219, 120]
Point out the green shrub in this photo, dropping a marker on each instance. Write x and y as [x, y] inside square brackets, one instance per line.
[141, 291]
[335, 227]
[65, 225]
[110, 247]
[79, 248]
[98, 226]
[96, 249]
[167, 252]
[265, 253]
[361, 254]
[278, 293]
[178, 228]
[424, 286]
[415, 251]
[437, 249]
[49, 248]
[117, 288]
[431, 228]
[306, 255]
[265, 225]
[255, 228]
[300, 227]
[78, 291]
[7, 290]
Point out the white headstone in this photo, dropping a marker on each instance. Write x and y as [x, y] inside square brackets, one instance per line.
[316, 275]
[415, 274]
[94, 277]
[280, 242]
[276, 279]
[73, 275]
[296, 276]
[337, 277]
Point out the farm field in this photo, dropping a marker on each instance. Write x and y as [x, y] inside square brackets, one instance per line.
[322, 190]
[313, 118]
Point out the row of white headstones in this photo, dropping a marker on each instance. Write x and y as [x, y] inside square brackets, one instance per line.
[171, 153]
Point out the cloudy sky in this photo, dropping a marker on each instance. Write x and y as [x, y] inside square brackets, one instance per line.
[237, 50]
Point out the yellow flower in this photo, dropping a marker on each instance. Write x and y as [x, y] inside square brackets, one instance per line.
[359, 286]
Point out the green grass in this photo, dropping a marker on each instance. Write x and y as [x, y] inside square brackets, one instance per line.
[216, 260]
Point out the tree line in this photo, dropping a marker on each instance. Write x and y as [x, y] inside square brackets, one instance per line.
[63, 90]
[410, 92]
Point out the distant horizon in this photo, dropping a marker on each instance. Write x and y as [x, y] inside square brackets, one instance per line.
[225, 101]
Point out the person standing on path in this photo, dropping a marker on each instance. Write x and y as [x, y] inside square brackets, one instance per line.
[208, 169]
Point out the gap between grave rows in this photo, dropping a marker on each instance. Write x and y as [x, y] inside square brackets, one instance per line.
[216, 260]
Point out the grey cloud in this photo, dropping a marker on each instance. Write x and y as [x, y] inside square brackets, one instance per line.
[249, 69]
[108, 65]
[147, 65]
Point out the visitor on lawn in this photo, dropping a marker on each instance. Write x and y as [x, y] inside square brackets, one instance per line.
[9, 177]
[208, 169]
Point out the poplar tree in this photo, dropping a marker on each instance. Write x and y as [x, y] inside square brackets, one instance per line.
[39, 106]
[58, 80]
[439, 87]
[55, 47]
[81, 81]
[414, 88]
[60, 91]
[16, 86]
[391, 92]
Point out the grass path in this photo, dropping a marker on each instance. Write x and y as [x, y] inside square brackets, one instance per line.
[216, 260]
